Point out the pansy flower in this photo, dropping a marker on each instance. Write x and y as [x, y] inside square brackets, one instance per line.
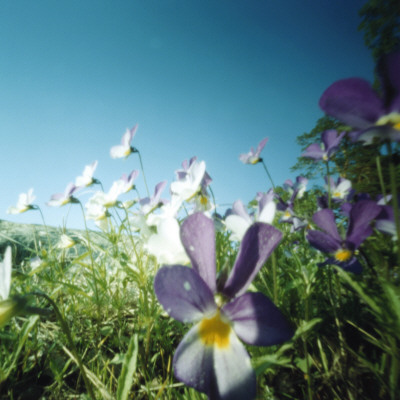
[124, 149]
[24, 203]
[354, 102]
[342, 250]
[239, 219]
[253, 156]
[340, 190]
[211, 358]
[61, 199]
[86, 179]
[324, 150]
[189, 180]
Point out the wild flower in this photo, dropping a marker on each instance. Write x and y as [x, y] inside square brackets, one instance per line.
[129, 181]
[61, 199]
[342, 250]
[354, 102]
[189, 179]
[166, 244]
[149, 204]
[339, 190]
[253, 156]
[86, 179]
[24, 203]
[211, 358]
[124, 149]
[239, 219]
[330, 141]
[299, 187]
[65, 242]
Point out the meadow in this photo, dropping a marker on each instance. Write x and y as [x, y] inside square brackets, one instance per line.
[293, 296]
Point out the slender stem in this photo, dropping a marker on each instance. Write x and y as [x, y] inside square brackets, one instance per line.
[380, 176]
[274, 277]
[144, 176]
[328, 180]
[266, 170]
[45, 225]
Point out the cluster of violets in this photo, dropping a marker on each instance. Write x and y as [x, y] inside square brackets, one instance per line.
[211, 357]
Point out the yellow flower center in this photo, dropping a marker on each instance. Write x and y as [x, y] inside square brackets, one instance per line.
[203, 200]
[336, 195]
[343, 255]
[392, 119]
[214, 331]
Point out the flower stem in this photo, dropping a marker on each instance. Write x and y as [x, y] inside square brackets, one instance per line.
[269, 176]
[144, 176]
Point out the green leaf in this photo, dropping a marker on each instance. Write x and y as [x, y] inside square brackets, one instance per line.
[306, 326]
[125, 379]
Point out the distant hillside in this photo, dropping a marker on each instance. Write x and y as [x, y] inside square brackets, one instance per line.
[28, 239]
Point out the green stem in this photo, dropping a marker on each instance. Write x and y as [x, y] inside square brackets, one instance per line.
[274, 277]
[144, 176]
[328, 181]
[380, 176]
[266, 170]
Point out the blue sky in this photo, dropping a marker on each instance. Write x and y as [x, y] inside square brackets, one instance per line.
[201, 78]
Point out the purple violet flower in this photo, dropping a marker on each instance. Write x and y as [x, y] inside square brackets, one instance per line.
[211, 358]
[329, 240]
[323, 151]
[354, 102]
[253, 157]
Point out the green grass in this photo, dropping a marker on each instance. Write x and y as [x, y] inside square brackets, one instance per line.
[101, 333]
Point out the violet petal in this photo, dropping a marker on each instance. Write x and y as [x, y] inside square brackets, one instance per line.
[325, 219]
[223, 374]
[323, 242]
[198, 239]
[183, 294]
[258, 243]
[352, 101]
[257, 321]
[361, 214]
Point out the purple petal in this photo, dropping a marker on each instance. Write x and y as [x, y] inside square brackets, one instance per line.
[352, 101]
[257, 321]
[361, 214]
[183, 294]
[325, 220]
[239, 209]
[353, 265]
[223, 374]
[331, 139]
[158, 190]
[323, 242]
[198, 239]
[261, 145]
[313, 151]
[257, 245]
